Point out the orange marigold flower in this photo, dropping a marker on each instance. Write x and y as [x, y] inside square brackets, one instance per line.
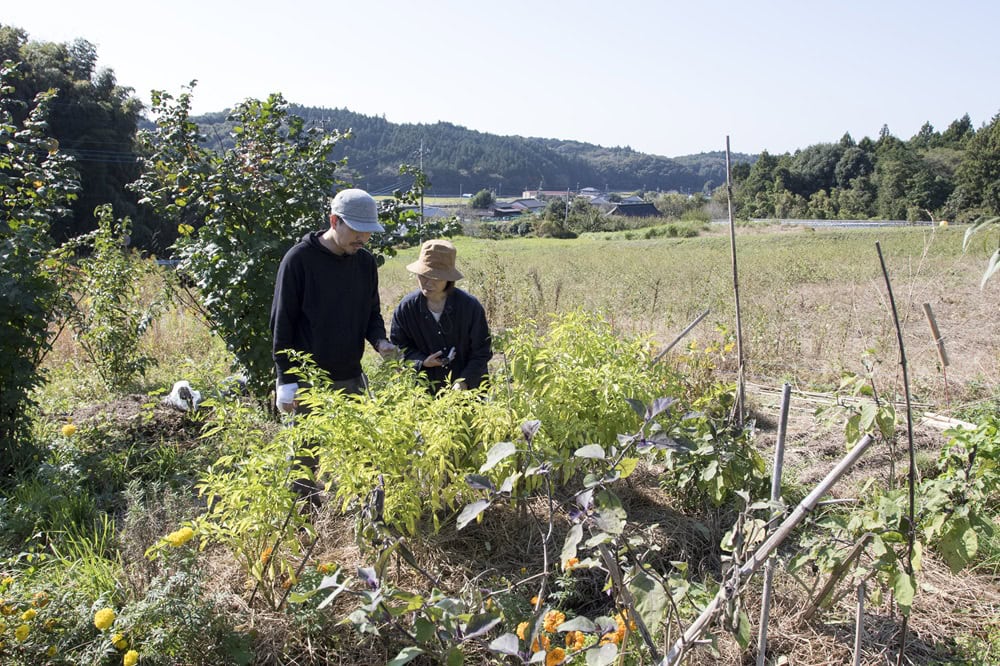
[555, 656]
[534, 600]
[570, 563]
[265, 557]
[553, 619]
[575, 640]
[41, 599]
[541, 643]
[522, 630]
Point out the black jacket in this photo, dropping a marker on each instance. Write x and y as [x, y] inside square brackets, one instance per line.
[327, 305]
[462, 326]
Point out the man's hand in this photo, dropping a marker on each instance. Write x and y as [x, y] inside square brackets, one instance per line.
[387, 349]
[285, 397]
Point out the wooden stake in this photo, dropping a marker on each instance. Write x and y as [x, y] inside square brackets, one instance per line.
[939, 343]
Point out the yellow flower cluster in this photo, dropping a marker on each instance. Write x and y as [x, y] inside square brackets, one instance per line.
[554, 656]
[131, 658]
[104, 618]
[29, 615]
[552, 620]
[21, 633]
[265, 557]
[522, 629]
[180, 537]
[41, 599]
[119, 641]
[68, 430]
[575, 640]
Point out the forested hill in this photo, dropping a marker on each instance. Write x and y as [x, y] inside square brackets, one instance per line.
[458, 159]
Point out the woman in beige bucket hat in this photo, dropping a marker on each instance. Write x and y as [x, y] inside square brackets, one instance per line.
[441, 329]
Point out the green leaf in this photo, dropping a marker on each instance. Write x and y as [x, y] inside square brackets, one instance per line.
[742, 634]
[470, 512]
[904, 587]
[867, 416]
[578, 623]
[650, 599]
[595, 451]
[455, 656]
[959, 544]
[505, 644]
[573, 538]
[603, 655]
[627, 466]
[405, 656]
[480, 624]
[424, 629]
[496, 454]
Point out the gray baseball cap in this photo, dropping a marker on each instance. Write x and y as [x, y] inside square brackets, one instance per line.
[358, 209]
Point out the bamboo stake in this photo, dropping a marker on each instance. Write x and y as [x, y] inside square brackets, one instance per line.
[740, 390]
[939, 343]
[681, 336]
[859, 623]
[912, 476]
[730, 587]
[779, 458]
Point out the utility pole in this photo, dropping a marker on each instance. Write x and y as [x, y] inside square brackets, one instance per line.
[421, 232]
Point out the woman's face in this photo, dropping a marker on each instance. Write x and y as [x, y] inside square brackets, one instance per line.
[431, 287]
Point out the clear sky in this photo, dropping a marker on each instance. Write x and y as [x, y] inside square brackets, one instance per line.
[663, 77]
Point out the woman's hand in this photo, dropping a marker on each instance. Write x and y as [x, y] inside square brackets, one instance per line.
[433, 361]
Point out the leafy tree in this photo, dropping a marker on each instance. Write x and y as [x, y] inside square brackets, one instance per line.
[238, 211]
[853, 163]
[482, 200]
[37, 184]
[959, 133]
[95, 122]
[978, 176]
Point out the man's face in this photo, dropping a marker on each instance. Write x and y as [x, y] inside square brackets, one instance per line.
[346, 239]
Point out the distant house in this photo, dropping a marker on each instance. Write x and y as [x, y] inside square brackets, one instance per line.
[589, 192]
[506, 210]
[529, 205]
[632, 199]
[430, 211]
[635, 210]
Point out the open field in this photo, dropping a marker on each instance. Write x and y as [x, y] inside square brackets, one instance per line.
[814, 306]
[813, 303]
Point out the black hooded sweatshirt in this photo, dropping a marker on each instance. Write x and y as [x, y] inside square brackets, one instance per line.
[327, 305]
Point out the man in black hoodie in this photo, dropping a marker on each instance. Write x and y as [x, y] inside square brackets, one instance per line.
[326, 300]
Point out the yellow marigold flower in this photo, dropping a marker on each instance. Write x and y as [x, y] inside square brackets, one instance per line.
[29, 615]
[51, 651]
[570, 563]
[575, 640]
[265, 557]
[9, 580]
[21, 633]
[6, 609]
[540, 643]
[553, 619]
[3, 626]
[68, 430]
[41, 599]
[554, 656]
[522, 630]
[534, 600]
[180, 537]
[620, 621]
[119, 642]
[131, 658]
[104, 618]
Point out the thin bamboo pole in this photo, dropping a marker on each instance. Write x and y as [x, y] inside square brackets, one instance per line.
[681, 336]
[731, 587]
[741, 371]
[912, 476]
[779, 459]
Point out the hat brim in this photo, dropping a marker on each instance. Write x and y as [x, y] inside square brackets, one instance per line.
[363, 227]
[420, 268]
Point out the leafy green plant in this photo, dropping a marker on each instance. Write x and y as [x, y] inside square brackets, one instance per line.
[110, 316]
[36, 185]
